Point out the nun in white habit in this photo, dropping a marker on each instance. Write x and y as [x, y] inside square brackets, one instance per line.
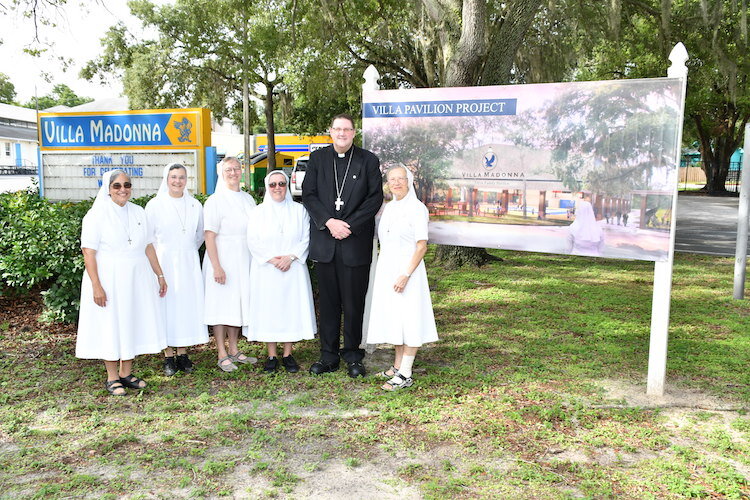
[120, 315]
[281, 302]
[401, 312]
[585, 235]
[226, 265]
[176, 219]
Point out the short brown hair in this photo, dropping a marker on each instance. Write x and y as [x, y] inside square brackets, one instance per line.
[343, 116]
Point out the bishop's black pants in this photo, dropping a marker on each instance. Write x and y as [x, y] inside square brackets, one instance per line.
[341, 288]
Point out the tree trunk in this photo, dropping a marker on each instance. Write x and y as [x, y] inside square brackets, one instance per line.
[507, 40]
[463, 70]
[270, 127]
[452, 256]
[717, 153]
[463, 66]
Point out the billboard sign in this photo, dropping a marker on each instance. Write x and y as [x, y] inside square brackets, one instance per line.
[77, 148]
[586, 168]
[128, 129]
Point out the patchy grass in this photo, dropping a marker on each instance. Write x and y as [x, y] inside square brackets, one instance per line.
[535, 391]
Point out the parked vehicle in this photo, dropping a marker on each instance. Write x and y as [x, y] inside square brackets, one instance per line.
[298, 175]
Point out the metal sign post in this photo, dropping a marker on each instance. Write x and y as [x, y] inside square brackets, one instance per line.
[740, 254]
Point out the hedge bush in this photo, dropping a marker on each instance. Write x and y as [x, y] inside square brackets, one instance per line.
[40, 246]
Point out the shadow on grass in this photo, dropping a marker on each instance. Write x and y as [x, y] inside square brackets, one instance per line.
[505, 405]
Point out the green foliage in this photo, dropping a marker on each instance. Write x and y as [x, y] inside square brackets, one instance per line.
[425, 148]
[7, 89]
[61, 95]
[40, 246]
[201, 51]
[636, 42]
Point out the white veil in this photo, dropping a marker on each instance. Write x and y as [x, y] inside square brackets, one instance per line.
[585, 228]
[102, 200]
[163, 191]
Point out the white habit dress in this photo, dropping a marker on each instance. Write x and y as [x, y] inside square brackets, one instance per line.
[226, 213]
[404, 318]
[585, 234]
[281, 303]
[131, 322]
[177, 225]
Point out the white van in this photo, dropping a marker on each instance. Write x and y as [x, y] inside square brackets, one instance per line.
[298, 175]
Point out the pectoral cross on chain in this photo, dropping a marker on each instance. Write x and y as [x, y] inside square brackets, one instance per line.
[339, 204]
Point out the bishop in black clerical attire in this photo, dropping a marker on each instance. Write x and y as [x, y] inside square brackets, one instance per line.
[342, 192]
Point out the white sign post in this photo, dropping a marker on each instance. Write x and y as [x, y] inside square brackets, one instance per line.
[660, 304]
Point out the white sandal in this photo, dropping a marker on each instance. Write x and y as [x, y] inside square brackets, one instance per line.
[384, 373]
[398, 382]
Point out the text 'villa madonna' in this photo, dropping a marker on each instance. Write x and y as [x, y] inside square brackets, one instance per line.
[502, 175]
[102, 133]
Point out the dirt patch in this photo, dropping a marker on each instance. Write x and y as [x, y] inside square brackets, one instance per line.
[312, 471]
[373, 479]
[634, 395]
[606, 457]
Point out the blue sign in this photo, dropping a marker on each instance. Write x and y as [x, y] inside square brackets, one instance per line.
[473, 107]
[127, 129]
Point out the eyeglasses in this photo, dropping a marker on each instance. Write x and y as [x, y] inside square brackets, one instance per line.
[397, 179]
[117, 185]
[233, 169]
[345, 130]
[281, 184]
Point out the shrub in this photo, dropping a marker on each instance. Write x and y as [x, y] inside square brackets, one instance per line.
[40, 246]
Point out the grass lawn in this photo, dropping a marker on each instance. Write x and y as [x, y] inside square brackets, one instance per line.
[536, 390]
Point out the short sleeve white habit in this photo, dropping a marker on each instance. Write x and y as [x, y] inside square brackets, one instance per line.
[131, 322]
[177, 225]
[404, 318]
[281, 303]
[226, 213]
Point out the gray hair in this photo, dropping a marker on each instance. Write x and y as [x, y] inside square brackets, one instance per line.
[394, 167]
[115, 174]
[175, 166]
[229, 159]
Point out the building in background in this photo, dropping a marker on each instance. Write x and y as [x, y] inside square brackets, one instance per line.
[18, 139]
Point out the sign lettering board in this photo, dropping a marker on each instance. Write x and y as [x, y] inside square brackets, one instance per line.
[587, 168]
[77, 148]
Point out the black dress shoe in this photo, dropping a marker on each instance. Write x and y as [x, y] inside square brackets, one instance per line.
[170, 366]
[271, 365]
[290, 364]
[356, 369]
[184, 364]
[320, 367]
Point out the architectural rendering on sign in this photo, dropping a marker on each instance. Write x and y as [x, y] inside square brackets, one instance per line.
[586, 168]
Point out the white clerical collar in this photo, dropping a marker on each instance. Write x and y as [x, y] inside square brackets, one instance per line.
[343, 155]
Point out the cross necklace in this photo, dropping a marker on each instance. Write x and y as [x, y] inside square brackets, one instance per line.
[339, 203]
[126, 227]
[183, 220]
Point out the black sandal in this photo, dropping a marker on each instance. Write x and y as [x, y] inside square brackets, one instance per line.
[132, 382]
[113, 385]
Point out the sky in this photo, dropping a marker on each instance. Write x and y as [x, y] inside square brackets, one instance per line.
[79, 27]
